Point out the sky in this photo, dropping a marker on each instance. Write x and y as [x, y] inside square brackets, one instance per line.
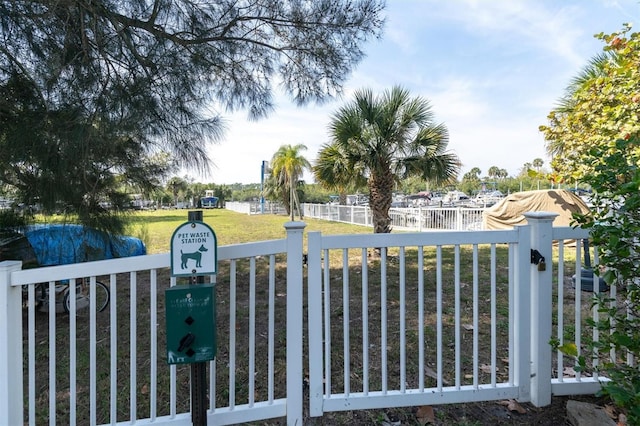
[492, 71]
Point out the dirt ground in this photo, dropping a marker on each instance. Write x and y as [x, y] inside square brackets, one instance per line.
[496, 413]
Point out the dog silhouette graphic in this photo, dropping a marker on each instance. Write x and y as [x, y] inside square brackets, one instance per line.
[196, 255]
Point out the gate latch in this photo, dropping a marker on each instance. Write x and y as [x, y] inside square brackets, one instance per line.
[538, 259]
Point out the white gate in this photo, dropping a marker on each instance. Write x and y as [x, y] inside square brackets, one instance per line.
[481, 334]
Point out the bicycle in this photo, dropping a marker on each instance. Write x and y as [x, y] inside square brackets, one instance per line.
[63, 295]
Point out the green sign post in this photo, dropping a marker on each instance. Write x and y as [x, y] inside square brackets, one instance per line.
[190, 309]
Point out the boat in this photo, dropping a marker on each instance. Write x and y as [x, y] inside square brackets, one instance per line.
[487, 198]
[455, 198]
[208, 201]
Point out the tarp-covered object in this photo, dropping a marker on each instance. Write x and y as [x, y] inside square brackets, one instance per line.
[510, 211]
[66, 244]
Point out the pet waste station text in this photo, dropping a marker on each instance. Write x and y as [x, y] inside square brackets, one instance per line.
[193, 250]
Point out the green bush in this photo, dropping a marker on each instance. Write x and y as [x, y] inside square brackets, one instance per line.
[615, 229]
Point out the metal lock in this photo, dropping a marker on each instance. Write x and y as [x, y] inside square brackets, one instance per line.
[538, 259]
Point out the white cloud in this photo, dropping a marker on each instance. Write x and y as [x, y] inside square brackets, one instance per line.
[491, 69]
[458, 101]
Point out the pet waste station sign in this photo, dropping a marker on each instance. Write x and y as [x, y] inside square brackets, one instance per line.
[194, 250]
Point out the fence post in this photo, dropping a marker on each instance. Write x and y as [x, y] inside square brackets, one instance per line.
[295, 320]
[11, 387]
[459, 219]
[520, 311]
[541, 306]
[314, 333]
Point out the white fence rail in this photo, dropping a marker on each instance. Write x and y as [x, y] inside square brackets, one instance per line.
[477, 334]
[255, 207]
[409, 309]
[394, 320]
[406, 218]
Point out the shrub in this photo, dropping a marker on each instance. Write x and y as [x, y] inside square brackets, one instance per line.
[615, 229]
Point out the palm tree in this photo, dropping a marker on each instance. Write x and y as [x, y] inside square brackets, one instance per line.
[177, 186]
[493, 172]
[390, 137]
[287, 165]
[594, 69]
[472, 175]
[538, 163]
[334, 171]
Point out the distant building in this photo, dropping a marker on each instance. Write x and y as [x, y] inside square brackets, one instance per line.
[138, 202]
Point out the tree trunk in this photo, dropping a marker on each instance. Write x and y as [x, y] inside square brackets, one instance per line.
[296, 203]
[291, 199]
[380, 196]
[285, 200]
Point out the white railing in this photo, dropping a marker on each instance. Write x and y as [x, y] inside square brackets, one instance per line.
[405, 219]
[445, 218]
[255, 207]
[396, 320]
[402, 219]
[109, 367]
[356, 215]
[240, 207]
[407, 304]
[482, 337]
[572, 309]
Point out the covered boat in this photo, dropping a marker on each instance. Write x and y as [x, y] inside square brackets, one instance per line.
[510, 211]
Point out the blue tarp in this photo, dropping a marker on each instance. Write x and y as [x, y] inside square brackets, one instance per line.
[65, 244]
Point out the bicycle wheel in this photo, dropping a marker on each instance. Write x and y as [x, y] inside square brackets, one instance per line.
[83, 298]
[102, 296]
[40, 292]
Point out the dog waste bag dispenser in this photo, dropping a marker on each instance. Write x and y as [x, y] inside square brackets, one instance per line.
[191, 335]
[190, 309]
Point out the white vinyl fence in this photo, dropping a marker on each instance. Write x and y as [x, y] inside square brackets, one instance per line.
[405, 218]
[482, 337]
[255, 207]
[393, 320]
[402, 218]
[110, 367]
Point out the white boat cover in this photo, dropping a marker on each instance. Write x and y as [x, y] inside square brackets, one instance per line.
[509, 212]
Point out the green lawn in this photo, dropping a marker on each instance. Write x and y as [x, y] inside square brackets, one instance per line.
[155, 228]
